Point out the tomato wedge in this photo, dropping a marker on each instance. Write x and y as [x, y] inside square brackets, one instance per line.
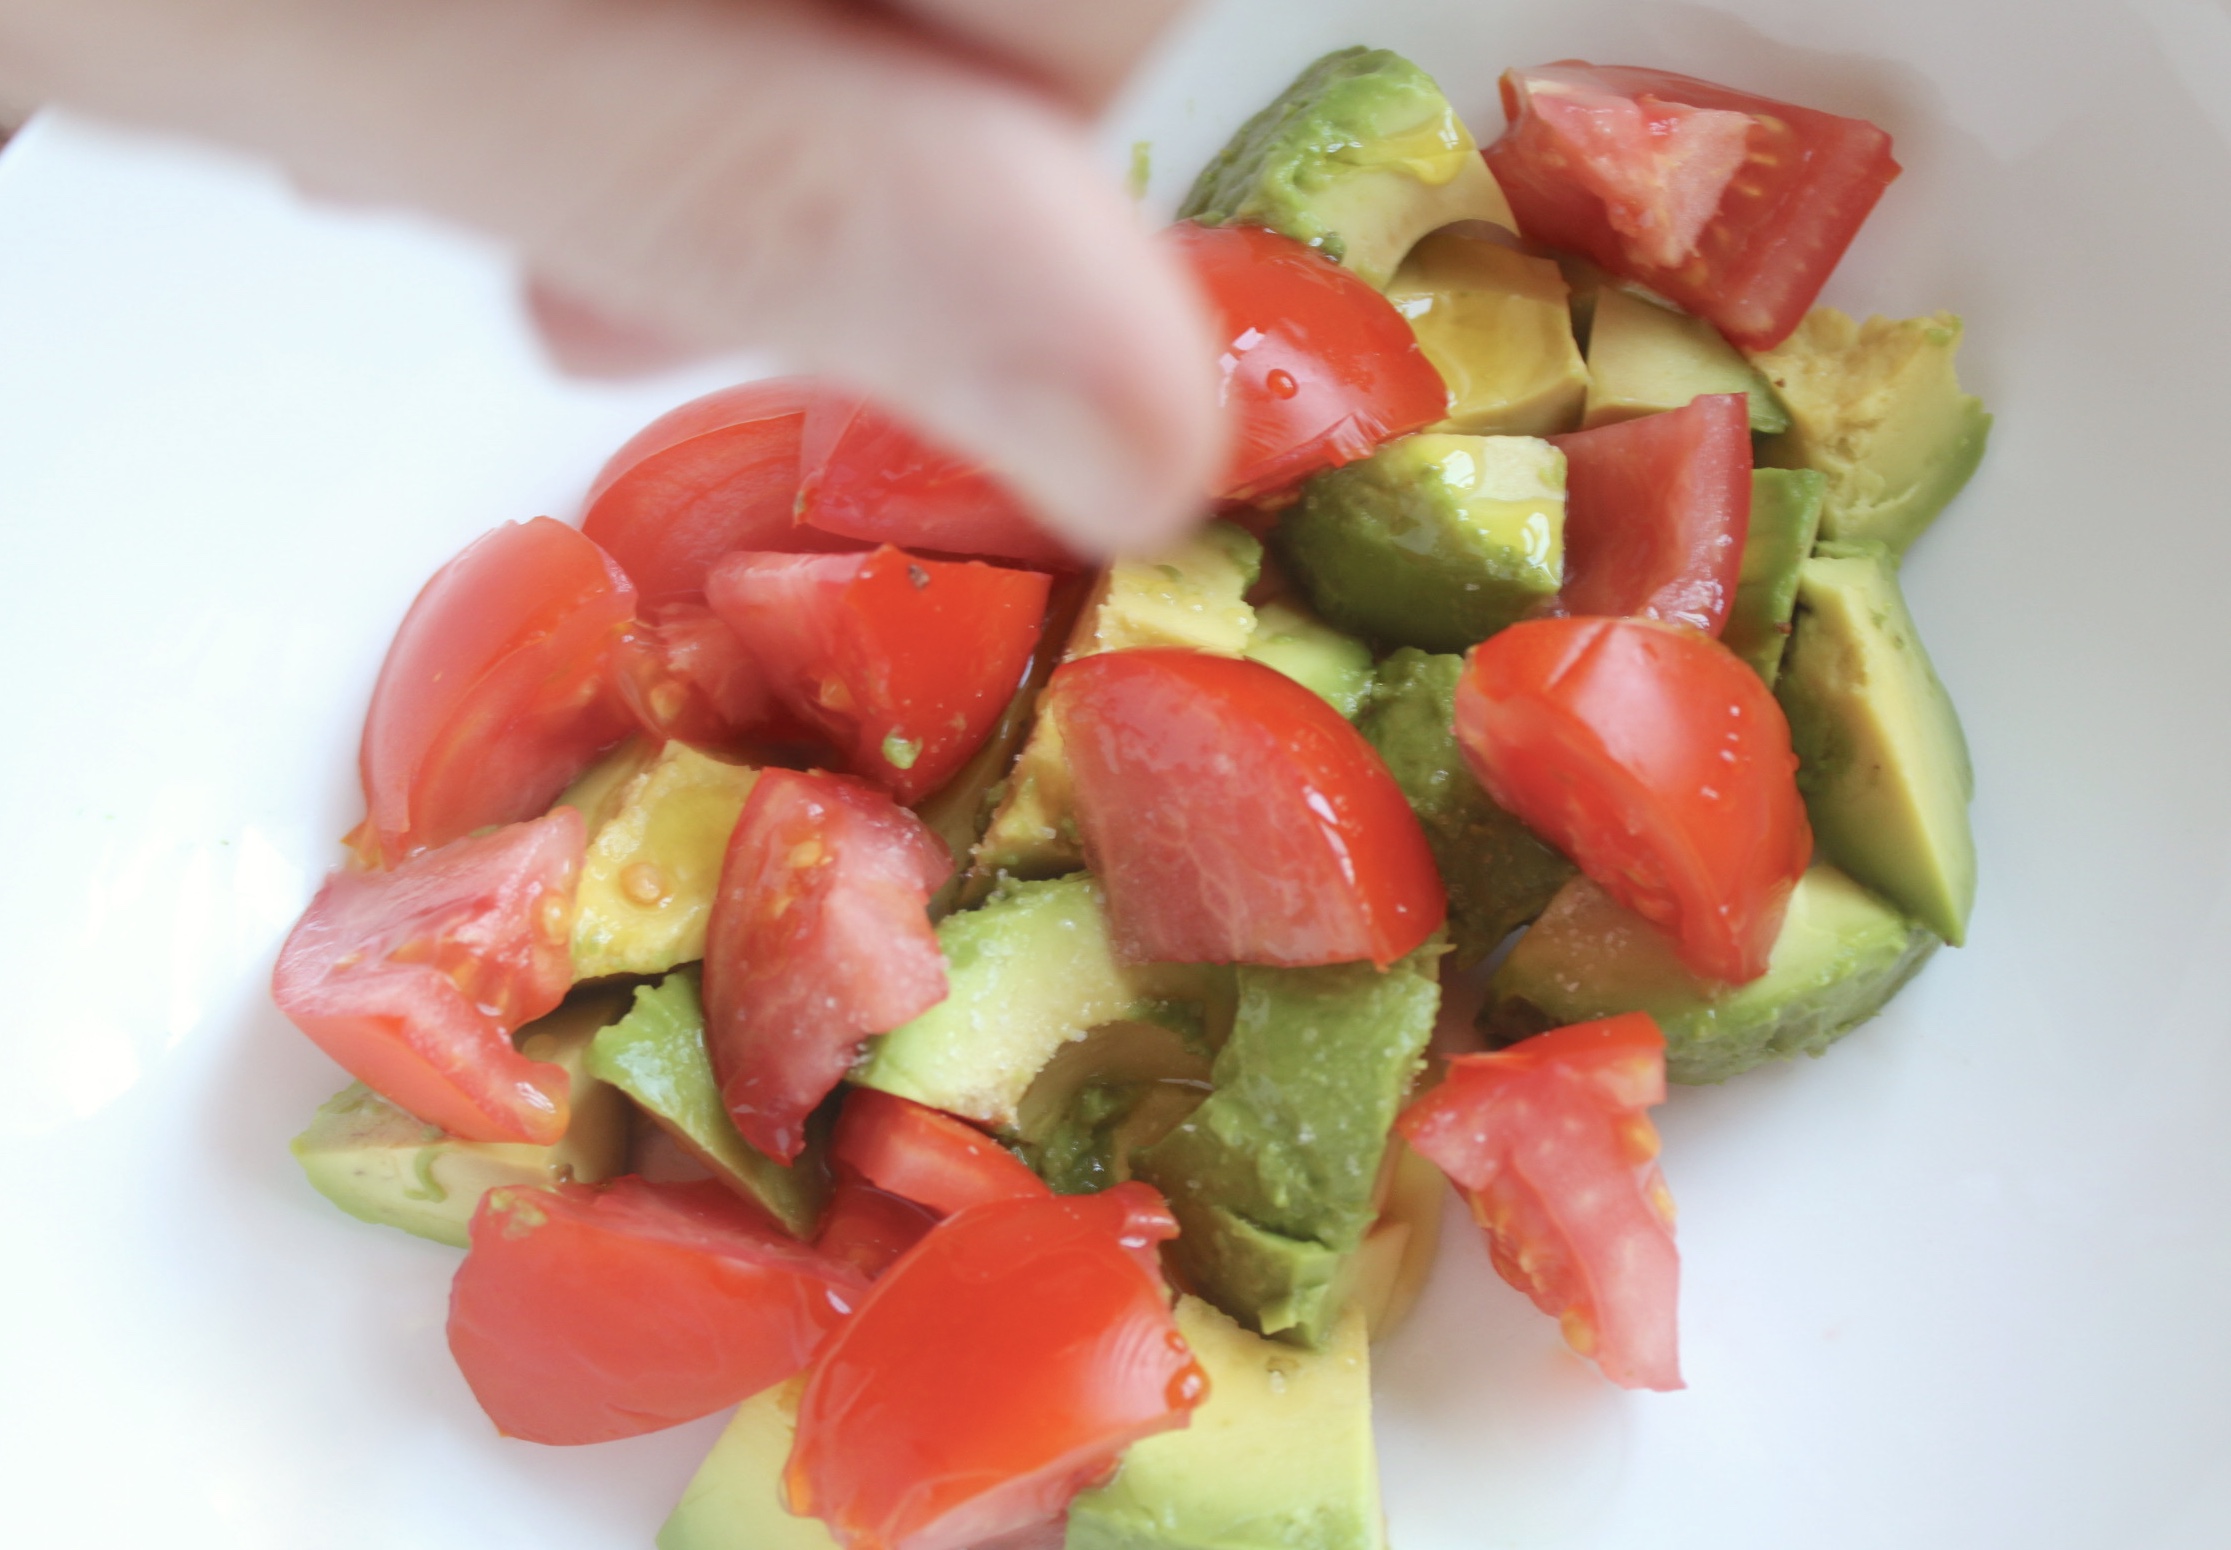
[932, 1159]
[581, 1315]
[869, 1228]
[992, 1373]
[904, 663]
[819, 937]
[867, 476]
[1656, 512]
[684, 675]
[1318, 367]
[717, 474]
[1646, 173]
[1234, 816]
[1658, 761]
[495, 692]
[414, 978]
[1550, 1142]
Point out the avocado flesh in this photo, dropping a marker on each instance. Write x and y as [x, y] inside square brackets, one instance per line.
[658, 834]
[1278, 1457]
[1388, 1271]
[1497, 324]
[1360, 157]
[1785, 519]
[1882, 761]
[1030, 971]
[1435, 541]
[1497, 873]
[734, 1501]
[1124, 1086]
[1841, 954]
[1334, 667]
[1876, 407]
[1647, 359]
[388, 1167]
[656, 1055]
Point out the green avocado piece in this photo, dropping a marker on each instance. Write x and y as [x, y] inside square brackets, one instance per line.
[1123, 1086]
[1435, 540]
[1646, 359]
[1785, 518]
[1882, 761]
[1841, 954]
[1497, 324]
[1278, 1457]
[656, 1055]
[1334, 666]
[1877, 408]
[1360, 157]
[1498, 874]
[734, 1501]
[385, 1166]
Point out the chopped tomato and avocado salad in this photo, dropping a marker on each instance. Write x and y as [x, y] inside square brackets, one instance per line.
[999, 1022]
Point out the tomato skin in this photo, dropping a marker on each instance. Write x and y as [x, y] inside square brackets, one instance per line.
[1657, 760]
[719, 473]
[998, 1368]
[1318, 368]
[895, 658]
[1549, 1142]
[918, 1154]
[414, 978]
[581, 1315]
[496, 690]
[1656, 513]
[1234, 816]
[869, 1228]
[1807, 183]
[819, 937]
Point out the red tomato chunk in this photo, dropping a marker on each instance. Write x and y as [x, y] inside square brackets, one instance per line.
[685, 675]
[921, 1155]
[869, 1228]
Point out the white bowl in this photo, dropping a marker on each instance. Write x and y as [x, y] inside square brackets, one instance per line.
[1958, 1284]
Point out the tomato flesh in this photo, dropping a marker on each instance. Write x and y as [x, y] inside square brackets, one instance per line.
[1550, 1143]
[997, 1369]
[918, 1154]
[496, 691]
[869, 1228]
[1234, 816]
[904, 663]
[1657, 760]
[683, 674]
[1656, 513]
[581, 1315]
[819, 937]
[1616, 163]
[1318, 368]
[414, 978]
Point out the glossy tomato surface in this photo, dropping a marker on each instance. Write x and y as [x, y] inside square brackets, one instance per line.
[998, 1368]
[414, 978]
[819, 937]
[905, 663]
[1234, 816]
[580, 1315]
[869, 1228]
[921, 1155]
[1551, 1145]
[1318, 368]
[717, 474]
[496, 691]
[1656, 513]
[1658, 761]
[1637, 170]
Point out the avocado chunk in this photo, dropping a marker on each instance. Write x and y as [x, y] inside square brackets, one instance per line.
[1435, 540]
[1359, 157]
[1644, 358]
[385, 1166]
[1333, 666]
[1497, 324]
[1877, 408]
[658, 831]
[1498, 874]
[1842, 953]
[734, 1501]
[1279, 1456]
[1195, 597]
[1029, 972]
[1785, 519]
[1275, 1178]
[656, 1055]
[1389, 1271]
[1121, 1087]
[1882, 761]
